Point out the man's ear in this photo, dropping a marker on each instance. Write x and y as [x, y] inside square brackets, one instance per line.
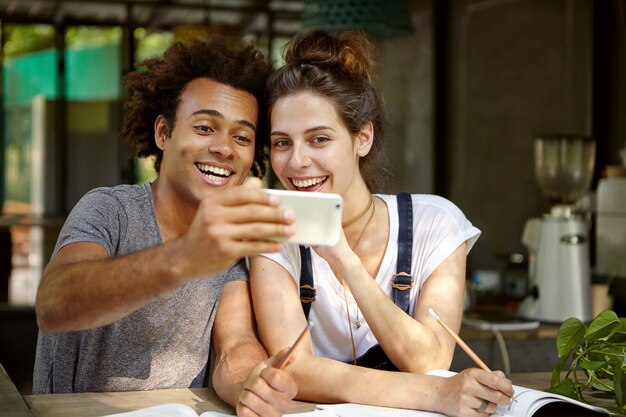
[365, 139]
[161, 131]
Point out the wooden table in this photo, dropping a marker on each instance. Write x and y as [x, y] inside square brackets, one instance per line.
[92, 404]
[95, 404]
[12, 404]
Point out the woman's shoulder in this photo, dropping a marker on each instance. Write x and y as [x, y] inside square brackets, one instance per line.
[422, 201]
[289, 254]
[428, 206]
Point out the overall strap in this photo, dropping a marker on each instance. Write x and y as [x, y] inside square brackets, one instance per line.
[307, 288]
[403, 281]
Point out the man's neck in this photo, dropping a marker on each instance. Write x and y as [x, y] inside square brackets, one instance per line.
[173, 214]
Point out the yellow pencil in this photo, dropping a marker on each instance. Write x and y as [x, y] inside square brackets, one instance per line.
[292, 349]
[461, 343]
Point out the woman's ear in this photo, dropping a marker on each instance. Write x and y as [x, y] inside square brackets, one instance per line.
[161, 131]
[365, 139]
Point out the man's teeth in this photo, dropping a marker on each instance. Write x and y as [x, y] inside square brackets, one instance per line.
[308, 183]
[214, 170]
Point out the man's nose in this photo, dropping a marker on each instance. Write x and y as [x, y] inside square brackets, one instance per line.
[221, 144]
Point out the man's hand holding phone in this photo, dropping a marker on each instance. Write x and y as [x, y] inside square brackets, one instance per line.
[318, 216]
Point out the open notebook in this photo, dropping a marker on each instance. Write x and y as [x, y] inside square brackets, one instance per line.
[182, 410]
[529, 402]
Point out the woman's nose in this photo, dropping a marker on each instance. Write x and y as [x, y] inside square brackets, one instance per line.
[299, 157]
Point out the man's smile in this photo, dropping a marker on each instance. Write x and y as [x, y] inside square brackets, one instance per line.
[213, 172]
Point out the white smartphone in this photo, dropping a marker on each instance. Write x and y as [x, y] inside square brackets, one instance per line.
[318, 216]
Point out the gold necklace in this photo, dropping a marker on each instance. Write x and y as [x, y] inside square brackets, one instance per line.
[345, 299]
[357, 323]
[358, 239]
[358, 216]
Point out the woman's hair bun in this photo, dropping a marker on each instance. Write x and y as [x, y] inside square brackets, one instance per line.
[349, 51]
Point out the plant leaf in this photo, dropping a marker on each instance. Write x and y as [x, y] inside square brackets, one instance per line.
[570, 334]
[605, 385]
[619, 383]
[599, 350]
[602, 325]
[556, 371]
[590, 365]
[619, 334]
[568, 388]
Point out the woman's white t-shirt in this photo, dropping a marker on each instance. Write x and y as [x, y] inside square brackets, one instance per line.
[439, 228]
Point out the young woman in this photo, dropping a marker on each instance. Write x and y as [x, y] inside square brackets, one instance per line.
[372, 290]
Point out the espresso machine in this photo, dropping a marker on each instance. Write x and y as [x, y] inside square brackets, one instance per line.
[558, 243]
[611, 222]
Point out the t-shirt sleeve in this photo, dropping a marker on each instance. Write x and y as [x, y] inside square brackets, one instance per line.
[98, 218]
[440, 228]
[289, 259]
[237, 272]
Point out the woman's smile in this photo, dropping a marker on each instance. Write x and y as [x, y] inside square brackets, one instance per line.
[308, 184]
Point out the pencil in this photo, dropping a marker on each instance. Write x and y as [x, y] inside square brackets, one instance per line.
[283, 362]
[459, 341]
[462, 344]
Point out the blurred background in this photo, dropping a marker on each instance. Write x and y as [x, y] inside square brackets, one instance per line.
[469, 87]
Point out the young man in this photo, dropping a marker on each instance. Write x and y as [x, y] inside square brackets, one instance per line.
[129, 298]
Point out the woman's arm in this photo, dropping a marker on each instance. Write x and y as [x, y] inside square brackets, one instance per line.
[280, 319]
[244, 376]
[418, 343]
[413, 344]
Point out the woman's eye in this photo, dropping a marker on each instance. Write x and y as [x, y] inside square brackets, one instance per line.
[280, 143]
[205, 129]
[320, 139]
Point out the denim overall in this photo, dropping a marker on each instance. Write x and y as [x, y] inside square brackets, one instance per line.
[402, 281]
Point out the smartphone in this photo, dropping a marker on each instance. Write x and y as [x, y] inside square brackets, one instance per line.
[318, 216]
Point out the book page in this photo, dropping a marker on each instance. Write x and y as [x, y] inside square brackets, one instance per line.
[529, 401]
[182, 410]
[318, 412]
[361, 410]
[170, 410]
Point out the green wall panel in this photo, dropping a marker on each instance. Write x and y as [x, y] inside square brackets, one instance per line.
[29, 75]
[92, 74]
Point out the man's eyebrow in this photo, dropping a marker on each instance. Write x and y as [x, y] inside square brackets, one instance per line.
[215, 113]
[312, 129]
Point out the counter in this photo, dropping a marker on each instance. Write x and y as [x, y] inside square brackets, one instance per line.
[12, 404]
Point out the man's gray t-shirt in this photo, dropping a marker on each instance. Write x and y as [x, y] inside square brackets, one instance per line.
[164, 344]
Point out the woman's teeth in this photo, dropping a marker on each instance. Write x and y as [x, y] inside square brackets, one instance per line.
[308, 182]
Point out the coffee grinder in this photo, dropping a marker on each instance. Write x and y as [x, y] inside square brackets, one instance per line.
[558, 243]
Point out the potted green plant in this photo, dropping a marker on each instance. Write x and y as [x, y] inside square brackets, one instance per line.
[598, 349]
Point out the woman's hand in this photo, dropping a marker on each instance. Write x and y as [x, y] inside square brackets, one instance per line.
[339, 256]
[335, 251]
[474, 392]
